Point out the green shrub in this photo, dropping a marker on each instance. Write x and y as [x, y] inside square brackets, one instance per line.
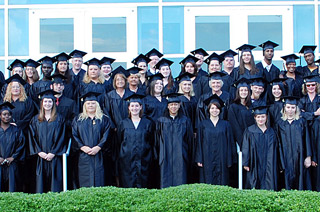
[196, 197]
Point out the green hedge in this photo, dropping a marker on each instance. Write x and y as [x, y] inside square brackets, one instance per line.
[197, 197]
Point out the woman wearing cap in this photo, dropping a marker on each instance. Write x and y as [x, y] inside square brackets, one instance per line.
[295, 146]
[62, 67]
[278, 92]
[106, 70]
[47, 142]
[260, 152]
[239, 113]
[215, 148]
[12, 143]
[31, 74]
[136, 140]
[247, 67]
[174, 141]
[142, 63]
[310, 102]
[168, 83]
[90, 130]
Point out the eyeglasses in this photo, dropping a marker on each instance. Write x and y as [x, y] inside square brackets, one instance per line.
[310, 85]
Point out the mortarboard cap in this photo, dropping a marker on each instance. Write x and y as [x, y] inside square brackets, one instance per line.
[246, 48]
[157, 76]
[311, 78]
[214, 98]
[173, 97]
[90, 96]
[77, 53]
[278, 81]
[32, 63]
[120, 70]
[140, 58]
[16, 63]
[62, 57]
[292, 100]
[48, 94]
[16, 78]
[242, 82]
[228, 53]
[134, 70]
[307, 49]
[258, 81]
[186, 76]
[6, 106]
[268, 45]
[163, 62]
[189, 58]
[259, 107]
[199, 51]
[153, 52]
[217, 75]
[57, 78]
[214, 56]
[107, 61]
[290, 58]
[135, 97]
[46, 60]
[93, 61]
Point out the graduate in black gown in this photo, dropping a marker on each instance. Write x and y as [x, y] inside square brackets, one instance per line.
[12, 143]
[315, 170]
[45, 82]
[141, 62]
[31, 74]
[200, 53]
[173, 140]
[247, 67]
[260, 152]
[215, 148]
[133, 81]
[295, 146]
[189, 64]
[168, 82]
[311, 68]
[277, 91]
[293, 80]
[239, 114]
[47, 141]
[90, 130]
[258, 89]
[155, 103]
[136, 141]
[154, 56]
[62, 67]
[76, 71]
[106, 70]
[228, 68]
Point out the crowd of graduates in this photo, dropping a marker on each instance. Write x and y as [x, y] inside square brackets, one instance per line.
[140, 127]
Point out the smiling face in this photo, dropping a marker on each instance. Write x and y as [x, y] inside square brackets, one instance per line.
[174, 108]
[120, 82]
[134, 108]
[214, 111]
[186, 86]
[91, 106]
[158, 87]
[133, 80]
[5, 117]
[17, 70]
[15, 89]
[228, 62]
[243, 92]
[106, 70]
[216, 85]
[214, 66]
[261, 119]
[63, 67]
[189, 68]
[291, 67]
[309, 58]
[268, 54]
[165, 71]
[276, 91]
[93, 72]
[47, 104]
[256, 91]
[311, 87]
[246, 57]
[77, 63]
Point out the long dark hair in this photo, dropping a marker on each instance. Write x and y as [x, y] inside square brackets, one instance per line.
[247, 101]
[67, 74]
[183, 69]
[253, 70]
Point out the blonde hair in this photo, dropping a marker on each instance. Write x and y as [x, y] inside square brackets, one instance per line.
[305, 91]
[8, 95]
[35, 75]
[191, 93]
[87, 79]
[284, 116]
[54, 113]
[115, 78]
[84, 114]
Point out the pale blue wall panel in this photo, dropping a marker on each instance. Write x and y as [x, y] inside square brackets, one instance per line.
[1, 32]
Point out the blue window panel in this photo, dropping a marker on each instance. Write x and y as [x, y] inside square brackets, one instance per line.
[175, 67]
[173, 30]
[117, 64]
[18, 32]
[19, 2]
[148, 29]
[303, 26]
[212, 32]
[1, 1]
[265, 27]
[1, 32]
[2, 68]
[56, 35]
[319, 33]
[222, 0]
[109, 34]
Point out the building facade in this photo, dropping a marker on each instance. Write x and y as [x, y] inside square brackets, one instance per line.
[123, 28]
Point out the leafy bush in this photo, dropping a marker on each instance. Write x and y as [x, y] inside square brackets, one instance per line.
[196, 197]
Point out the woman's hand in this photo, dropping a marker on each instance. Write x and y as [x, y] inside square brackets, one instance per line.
[85, 149]
[246, 168]
[200, 164]
[307, 162]
[50, 156]
[94, 150]
[42, 155]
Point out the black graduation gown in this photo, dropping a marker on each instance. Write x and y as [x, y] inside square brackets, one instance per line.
[167, 90]
[188, 108]
[91, 132]
[240, 117]
[295, 146]
[260, 154]
[294, 86]
[76, 79]
[275, 112]
[308, 107]
[38, 87]
[246, 74]
[201, 72]
[68, 109]
[270, 75]
[305, 71]
[174, 143]
[135, 152]
[216, 150]
[2, 80]
[315, 139]
[196, 85]
[202, 109]
[153, 107]
[12, 143]
[48, 137]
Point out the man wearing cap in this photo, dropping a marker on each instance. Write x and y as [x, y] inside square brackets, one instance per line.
[76, 71]
[133, 81]
[270, 71]
[311, 67]
[154, 55]
[200, 53]
[43, 84]
[174, 136]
